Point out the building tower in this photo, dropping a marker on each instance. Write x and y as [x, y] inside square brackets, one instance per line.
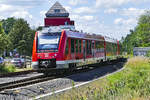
[57, 15]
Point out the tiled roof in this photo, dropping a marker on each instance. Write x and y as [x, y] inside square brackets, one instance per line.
[57, 10]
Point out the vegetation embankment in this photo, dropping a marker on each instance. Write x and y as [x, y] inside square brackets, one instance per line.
[132, 83]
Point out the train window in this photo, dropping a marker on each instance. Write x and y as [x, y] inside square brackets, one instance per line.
[80, 46]
[72, 45]
[76, 46]
[108, 47]
[87, 46]
[67, 47]
[90, 49]
[99, 45]
[92, 44]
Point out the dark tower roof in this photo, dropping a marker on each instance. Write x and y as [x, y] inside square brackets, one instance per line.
[57, 10]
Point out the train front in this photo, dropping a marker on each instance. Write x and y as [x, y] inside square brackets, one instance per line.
[45, 49]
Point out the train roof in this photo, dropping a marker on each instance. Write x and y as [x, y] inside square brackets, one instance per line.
[53, 29]
[71, 32]
[81, 35]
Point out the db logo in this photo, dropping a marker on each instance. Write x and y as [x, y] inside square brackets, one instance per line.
[46, 55]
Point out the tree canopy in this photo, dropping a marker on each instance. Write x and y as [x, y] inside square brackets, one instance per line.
[3, 39]
[21, 37]
[16, 34]
[140, 36]
[8, 24]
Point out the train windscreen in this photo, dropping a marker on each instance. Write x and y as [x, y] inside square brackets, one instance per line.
[48, 42]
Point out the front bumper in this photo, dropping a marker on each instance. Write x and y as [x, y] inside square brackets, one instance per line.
[47, 63]
[35, 65]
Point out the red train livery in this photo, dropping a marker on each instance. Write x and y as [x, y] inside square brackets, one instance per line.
[57, 47]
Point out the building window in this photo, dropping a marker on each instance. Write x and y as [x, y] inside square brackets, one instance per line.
[57, 10]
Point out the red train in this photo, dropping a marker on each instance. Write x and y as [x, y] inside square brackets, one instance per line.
[59, 48]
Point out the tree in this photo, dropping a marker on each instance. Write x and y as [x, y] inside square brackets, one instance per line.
[21, 37]
[8, 24]
[140, 36]
[3, 39]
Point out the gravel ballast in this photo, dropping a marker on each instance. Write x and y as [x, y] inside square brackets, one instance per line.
[18, 77]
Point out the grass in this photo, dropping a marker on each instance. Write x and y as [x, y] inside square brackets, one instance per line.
[133, 83]
[7, 68]
[23, 69]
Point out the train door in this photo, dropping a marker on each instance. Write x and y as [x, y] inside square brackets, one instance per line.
[84, 50]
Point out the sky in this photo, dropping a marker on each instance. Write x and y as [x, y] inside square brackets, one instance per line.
[112, 18]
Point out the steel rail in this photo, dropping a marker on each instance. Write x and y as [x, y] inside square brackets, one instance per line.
[11, 74]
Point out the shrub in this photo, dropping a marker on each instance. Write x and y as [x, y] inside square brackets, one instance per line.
[148, 54]
[7, 68]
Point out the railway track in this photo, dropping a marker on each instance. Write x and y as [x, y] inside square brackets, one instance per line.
[11, 74]
[42, 78]
[37, 79]
[24, 82]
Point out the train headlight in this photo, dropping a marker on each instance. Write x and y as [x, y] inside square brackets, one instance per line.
[55, 54]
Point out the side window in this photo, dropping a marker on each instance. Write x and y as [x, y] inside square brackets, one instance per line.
[72, 45]
[93, 44]
[90, 48]
[80, 46]
[87, 46]
[67, 47]
[76, 46]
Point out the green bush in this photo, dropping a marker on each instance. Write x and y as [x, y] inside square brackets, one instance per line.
[7, 68]
[148, 54]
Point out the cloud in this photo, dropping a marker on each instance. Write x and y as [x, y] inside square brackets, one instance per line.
[84, 10]
[2, 17]
[117, 3]
[110, 11]
[22, 14]
[125, 22]
[9, 8]
[118, 21]
[110, 3]
[82, 18]
[68, 8]
[42, 13]
[27, 3]
[77, 2]
[14, 11]
[132, 12]
[5, 7]
[88, 18]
